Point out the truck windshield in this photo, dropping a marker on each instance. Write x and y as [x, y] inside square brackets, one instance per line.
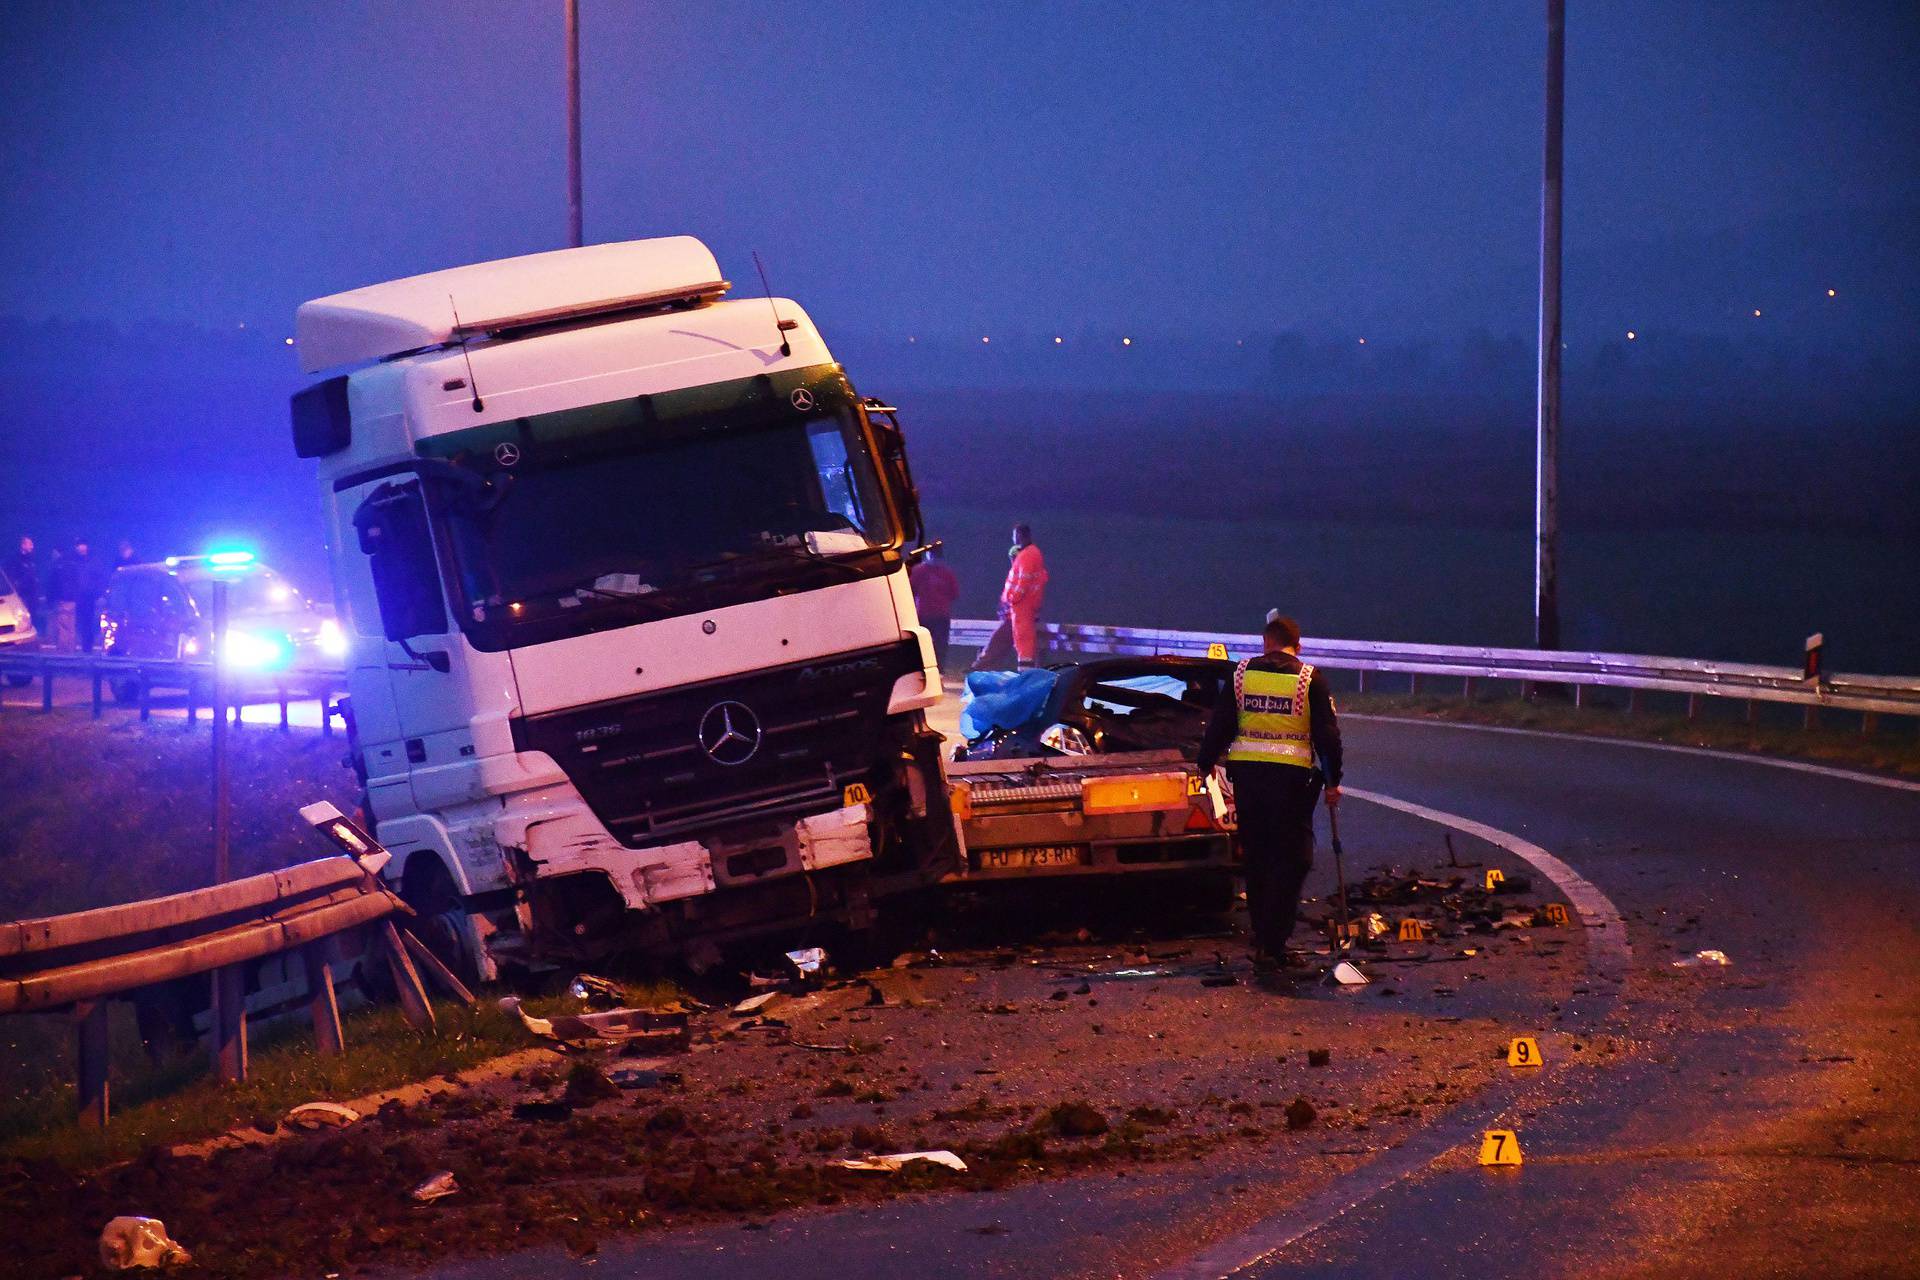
[660, 505]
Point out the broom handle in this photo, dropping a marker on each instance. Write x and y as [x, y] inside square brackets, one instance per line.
[1339, 871]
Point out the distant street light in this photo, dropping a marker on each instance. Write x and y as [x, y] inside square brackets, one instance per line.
[574, 228]
[1631, 335]
[1830, 293]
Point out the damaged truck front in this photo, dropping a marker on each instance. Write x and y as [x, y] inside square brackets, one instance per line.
[634, 666]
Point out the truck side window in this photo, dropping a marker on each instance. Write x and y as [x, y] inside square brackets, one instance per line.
[394, 534]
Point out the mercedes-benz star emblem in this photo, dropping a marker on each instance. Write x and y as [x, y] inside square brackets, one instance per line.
[802, 399]
[506, 453]
[730, 733]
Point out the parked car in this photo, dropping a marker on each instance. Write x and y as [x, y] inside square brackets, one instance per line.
[16, 626]
[164, 610]
[1107, 707]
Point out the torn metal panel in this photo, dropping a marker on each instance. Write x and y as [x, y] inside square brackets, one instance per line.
[829, 839]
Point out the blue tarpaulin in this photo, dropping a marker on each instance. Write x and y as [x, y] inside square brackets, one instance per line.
[1003, 700]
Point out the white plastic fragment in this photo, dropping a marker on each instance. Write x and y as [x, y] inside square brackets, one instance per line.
[128, 1243]
[1702, 959]
[321, 1115]
[754, 1004]
[810, 961]
[438, 1187]
[892, 1164]
[1348, 974]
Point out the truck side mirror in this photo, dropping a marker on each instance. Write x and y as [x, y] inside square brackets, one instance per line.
[393, 531]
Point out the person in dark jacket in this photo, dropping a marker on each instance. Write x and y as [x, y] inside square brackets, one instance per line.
[77, 584]
[1272, 721]
[23, 570]
[935, 590]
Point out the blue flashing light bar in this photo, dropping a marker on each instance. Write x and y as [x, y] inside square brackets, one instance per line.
[230, 559]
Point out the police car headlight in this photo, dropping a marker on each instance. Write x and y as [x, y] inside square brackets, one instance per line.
[1066, 739]
[255, 650]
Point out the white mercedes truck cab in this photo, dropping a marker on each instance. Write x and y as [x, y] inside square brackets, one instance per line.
[634, 666]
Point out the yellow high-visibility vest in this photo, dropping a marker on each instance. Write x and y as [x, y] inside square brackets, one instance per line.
[1274, 725]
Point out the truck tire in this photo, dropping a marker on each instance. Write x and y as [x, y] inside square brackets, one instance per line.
[442, 923]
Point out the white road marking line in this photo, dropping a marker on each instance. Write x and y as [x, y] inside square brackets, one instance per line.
[1608, 955]
[1743, 757]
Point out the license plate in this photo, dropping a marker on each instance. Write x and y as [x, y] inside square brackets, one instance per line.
[1032, 857]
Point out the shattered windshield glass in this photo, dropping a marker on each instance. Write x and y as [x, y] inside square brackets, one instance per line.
[658, 504]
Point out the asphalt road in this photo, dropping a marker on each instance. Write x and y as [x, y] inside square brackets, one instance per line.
[1758, 1119]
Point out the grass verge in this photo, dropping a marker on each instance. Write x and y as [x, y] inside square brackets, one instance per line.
[1893, 748]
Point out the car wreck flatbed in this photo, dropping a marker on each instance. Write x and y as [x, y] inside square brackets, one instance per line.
[1103, 815]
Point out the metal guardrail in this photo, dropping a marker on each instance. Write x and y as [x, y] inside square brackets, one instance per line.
[1872, 695]
[76, 963]
[22, 667]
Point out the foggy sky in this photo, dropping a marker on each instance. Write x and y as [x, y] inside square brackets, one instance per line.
[1205, 168]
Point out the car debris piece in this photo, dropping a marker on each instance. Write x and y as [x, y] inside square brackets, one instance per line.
[893, 1163]
[1319, 1057]
[1347, 974]
[588, 1084]
[592, 989]
[1219, 980]
[809, 962]
[127, 1243]
[754, 1004]
[1702, 959]
[438, 1187]
[542, 1109]
[1300, 1113]
[643, 1078]
[577, 1030]
[1377, 926]
[322, 1115]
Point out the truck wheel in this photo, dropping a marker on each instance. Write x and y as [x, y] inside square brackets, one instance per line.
[442, 923]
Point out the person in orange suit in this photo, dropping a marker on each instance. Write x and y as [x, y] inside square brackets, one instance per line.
[1026, 588]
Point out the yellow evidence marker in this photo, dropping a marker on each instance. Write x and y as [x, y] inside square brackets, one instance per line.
[1500, 1146]
[1523, 1052]
[1217, 650]
[1412, 930]
[1494, 876]
[1557, 912]
[856, 793]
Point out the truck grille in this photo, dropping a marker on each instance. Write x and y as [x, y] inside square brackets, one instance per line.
[776, 741]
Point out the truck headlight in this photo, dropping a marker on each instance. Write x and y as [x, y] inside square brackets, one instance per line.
[331, 639]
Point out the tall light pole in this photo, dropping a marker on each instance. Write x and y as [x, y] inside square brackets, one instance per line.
[574, 237]
[1546, 491]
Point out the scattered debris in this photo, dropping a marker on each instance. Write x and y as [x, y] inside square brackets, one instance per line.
[127, 1243]
[1347, 974]
[1213, 980]
[754, 1004]
[542, 1111]
[588, 1084]
[322, 1115]
[664, 1031]
[1513, 884]
[1702, 959]
[1076, 1120]
[643, 1078]
[1377, 926]
[893, 1164]
[1300, 1113]
[438, 1187]
[809, 962]
[592, 989]
[1319, 1057]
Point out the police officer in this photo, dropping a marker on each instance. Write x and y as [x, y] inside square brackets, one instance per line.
[1270, 723]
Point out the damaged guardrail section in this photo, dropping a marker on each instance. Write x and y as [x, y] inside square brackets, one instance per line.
[1870, 695]
[76, 963]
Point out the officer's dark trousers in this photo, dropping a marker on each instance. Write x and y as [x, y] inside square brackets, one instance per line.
[1275, 807]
